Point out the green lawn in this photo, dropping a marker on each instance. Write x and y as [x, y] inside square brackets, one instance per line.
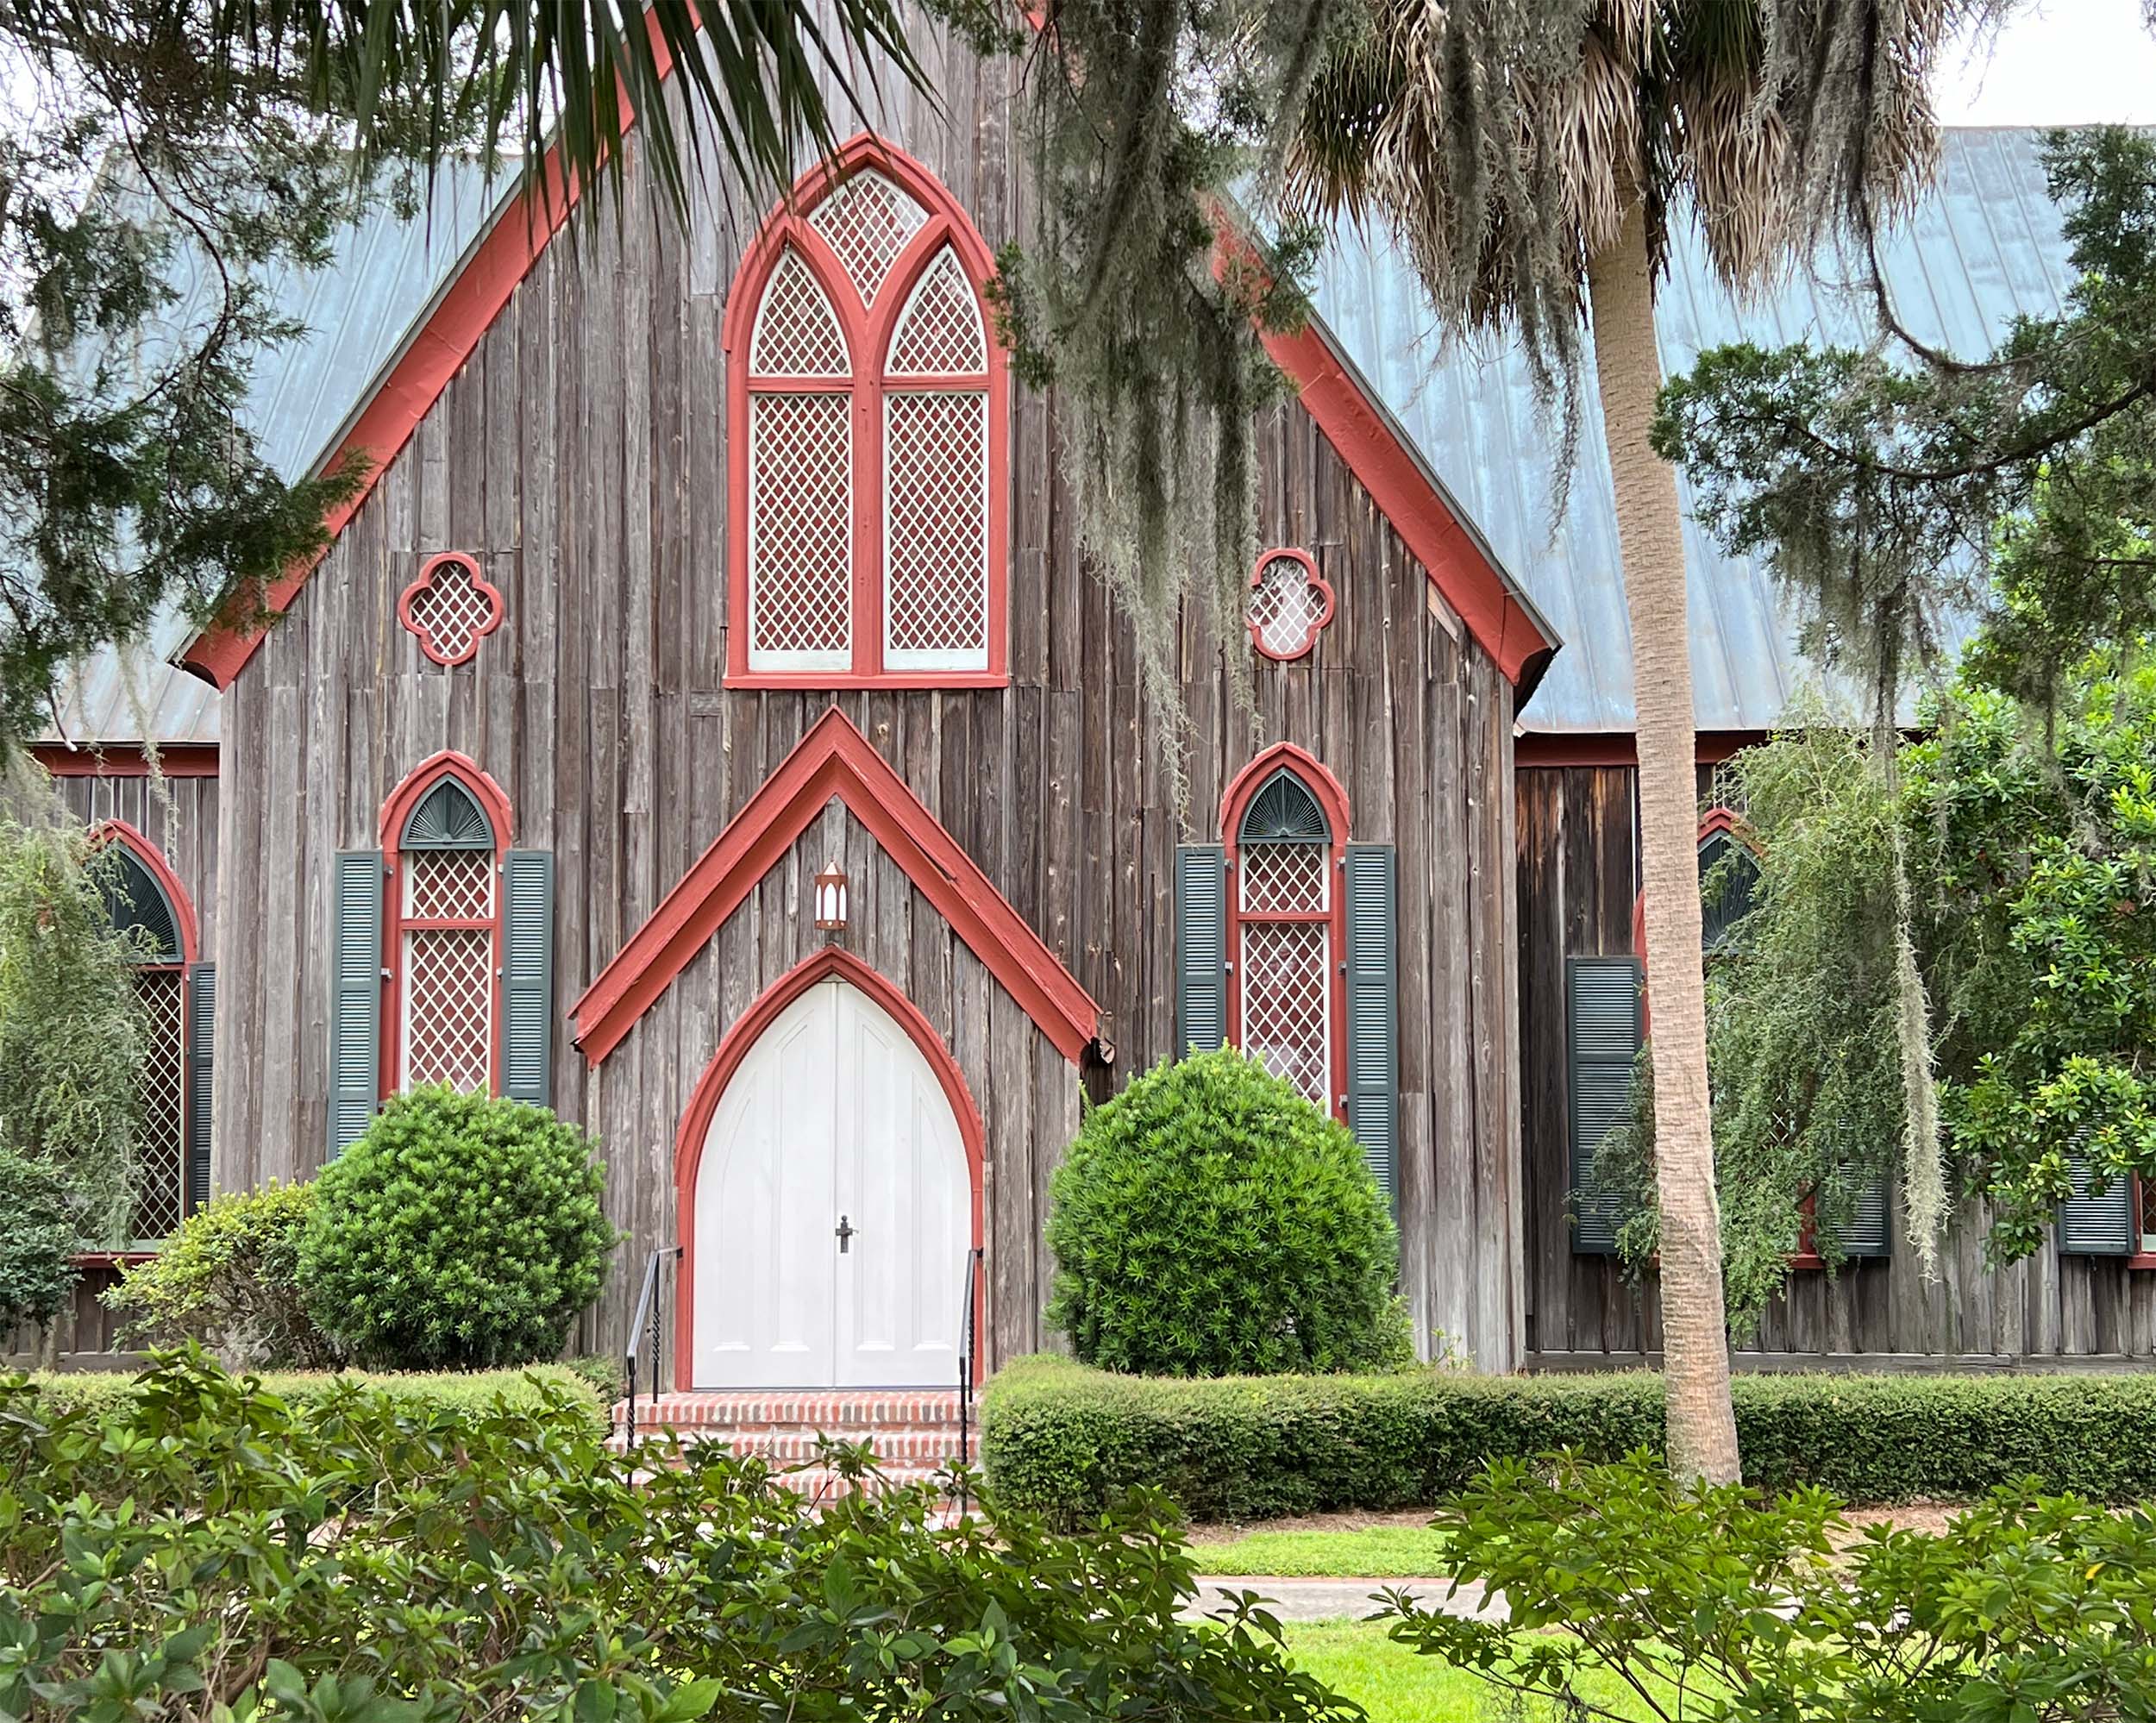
[1379, 1552]
[1395, 1685]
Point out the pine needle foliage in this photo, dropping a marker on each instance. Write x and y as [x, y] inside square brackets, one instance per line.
[1141, 293]
[72, 1032]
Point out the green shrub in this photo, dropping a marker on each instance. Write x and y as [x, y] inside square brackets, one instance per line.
[1209, 1220]
[37, 1235]
[104, 1394]
[365, 1557]
[459, 1232]
[229, 1279]
[1714, 1604]
[1061, 1438]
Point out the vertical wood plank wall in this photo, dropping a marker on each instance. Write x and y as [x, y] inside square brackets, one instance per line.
[1578, 877]
[580, 455]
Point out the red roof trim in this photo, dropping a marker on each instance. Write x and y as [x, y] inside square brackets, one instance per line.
[1362, 433]
[1364, 437]
[834, 759]
[174, 759]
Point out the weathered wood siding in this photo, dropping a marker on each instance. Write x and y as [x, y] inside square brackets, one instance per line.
[580, 455]
[1578, 878]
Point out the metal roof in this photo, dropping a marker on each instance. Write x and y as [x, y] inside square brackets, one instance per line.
[359, 307]
[1983, 246]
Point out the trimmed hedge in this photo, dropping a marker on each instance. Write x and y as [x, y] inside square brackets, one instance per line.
[1061, 1438]
[96, 1391]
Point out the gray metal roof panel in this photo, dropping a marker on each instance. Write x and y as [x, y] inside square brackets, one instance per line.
[358, 308]
[1983, 245]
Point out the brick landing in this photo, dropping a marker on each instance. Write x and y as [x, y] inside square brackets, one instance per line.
[914, 1431]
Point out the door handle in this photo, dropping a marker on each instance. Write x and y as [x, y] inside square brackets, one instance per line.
[844, 1233]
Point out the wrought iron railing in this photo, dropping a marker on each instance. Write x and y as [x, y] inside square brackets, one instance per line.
[968, 1343]
[648, 1325]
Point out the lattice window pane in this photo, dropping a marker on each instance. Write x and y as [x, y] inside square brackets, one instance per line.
[449, 884]
[1285, 878]
[867, 221]
[935, 542]
[1287, 609]
[448, 1007]
[161, 1159]
[797, 331]
[449, 610]
[1287, 998]
[939, 333]
[801, 531]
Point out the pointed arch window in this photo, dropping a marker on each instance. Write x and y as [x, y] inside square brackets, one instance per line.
[868, 424]
[443, 951]
[149, 908]
[1284, 935]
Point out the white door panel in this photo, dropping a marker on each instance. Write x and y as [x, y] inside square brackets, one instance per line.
[834, 1112]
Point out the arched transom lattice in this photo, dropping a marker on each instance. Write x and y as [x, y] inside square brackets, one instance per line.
[1291, 603]
[448, 920]
[869, 425]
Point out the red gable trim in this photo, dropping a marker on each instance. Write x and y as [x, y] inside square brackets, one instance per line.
[1364, 438]
[834, 759]
[174, 759]
[1351, 422]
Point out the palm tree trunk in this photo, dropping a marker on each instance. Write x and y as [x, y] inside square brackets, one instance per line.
[1702, 1428]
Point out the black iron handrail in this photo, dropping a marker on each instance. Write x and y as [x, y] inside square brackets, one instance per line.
[648, 1323]
[968, 1339]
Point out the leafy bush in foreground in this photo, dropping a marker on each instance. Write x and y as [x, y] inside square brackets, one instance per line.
[1210, 1220]
[459, 1233]
[229, 1279]
[371, 1559]
[1067, 1440]
[1715, 1604]
[37, 1236]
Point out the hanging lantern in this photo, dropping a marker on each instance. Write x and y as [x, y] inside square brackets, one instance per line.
[830, 898]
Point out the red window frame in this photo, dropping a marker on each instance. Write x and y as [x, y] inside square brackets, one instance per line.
[160, 871]
[397, 811]
[1332, 801]
[868, 333]
[1311, 578]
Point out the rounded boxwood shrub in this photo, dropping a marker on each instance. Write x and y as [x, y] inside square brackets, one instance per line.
[1209, 1221]
[459, 1232]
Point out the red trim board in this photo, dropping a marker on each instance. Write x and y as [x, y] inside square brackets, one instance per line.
[96, 760]
[832, 961]
[1356, 427]
[834, 759]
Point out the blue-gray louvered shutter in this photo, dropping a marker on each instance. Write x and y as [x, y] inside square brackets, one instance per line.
[1869, 1231]
[202, 1042]
[1201, 948]
[2099, 1224]
[1373, 1028]
[355, 1012]
[1601, 1017]
[528, 976]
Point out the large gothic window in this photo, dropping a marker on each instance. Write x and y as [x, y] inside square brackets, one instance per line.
[868, 425]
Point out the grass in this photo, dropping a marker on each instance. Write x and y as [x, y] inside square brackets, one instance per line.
[1375, 1551]
[1396, 1685]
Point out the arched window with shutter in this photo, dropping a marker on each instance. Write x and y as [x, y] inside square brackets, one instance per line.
[150, 909]
[867, 416]
[443, 951]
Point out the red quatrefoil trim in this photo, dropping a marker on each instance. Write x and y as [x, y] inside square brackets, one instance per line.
[1291, 602]
[450, 608]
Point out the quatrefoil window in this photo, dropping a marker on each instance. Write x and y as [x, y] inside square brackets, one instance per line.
[1291, 602]
[449, 609]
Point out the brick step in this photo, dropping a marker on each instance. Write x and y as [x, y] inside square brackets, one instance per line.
[847, 1414]
[792, 1447]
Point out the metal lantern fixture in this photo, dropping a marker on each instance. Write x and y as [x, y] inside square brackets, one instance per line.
[830, 898]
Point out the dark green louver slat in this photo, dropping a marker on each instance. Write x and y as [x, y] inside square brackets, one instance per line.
[355, 1012]
[528, 976]
[2099, 1224]
[1201, 948]
[1373, 1029]
[1870, 1232]
[1601, 1015]
[201, 1042]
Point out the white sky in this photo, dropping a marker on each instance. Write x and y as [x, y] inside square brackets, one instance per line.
[2058, 62]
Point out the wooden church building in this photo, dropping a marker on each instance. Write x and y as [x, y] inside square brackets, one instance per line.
[704, 723]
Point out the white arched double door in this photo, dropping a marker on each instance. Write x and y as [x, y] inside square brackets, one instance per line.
[833, 1208]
